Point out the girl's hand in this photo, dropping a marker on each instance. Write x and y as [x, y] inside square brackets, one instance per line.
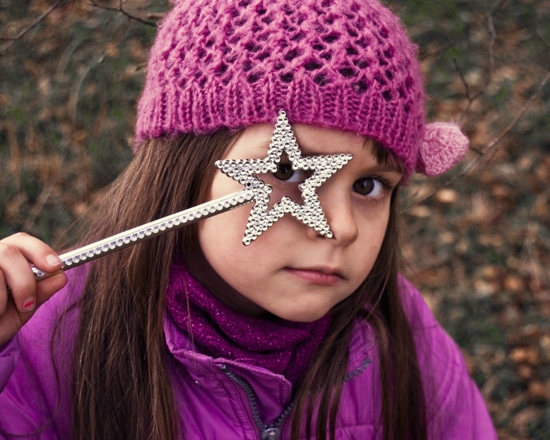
[20, 294]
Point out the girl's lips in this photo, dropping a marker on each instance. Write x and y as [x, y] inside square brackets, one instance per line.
[316, 276]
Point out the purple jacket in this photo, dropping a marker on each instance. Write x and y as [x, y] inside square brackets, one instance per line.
[217, 397]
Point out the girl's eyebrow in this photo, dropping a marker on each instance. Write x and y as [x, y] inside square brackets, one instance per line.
[261, 146]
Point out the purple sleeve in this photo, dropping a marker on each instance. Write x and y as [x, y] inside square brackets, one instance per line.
[34, 373]
[456, 409]
[9, 354]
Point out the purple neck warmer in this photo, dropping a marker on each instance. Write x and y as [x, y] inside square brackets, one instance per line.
[282, 347]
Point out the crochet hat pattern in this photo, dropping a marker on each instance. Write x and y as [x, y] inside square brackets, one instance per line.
[341, 64]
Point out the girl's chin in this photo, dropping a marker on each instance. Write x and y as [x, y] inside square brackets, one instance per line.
[296, 315]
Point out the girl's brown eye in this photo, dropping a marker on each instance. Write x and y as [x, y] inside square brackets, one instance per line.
[368, 186]
[284, 171]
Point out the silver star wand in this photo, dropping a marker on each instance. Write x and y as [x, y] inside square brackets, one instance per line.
[256, 190]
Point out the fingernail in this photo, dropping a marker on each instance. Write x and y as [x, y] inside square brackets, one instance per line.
[53, 260]
[29, 304]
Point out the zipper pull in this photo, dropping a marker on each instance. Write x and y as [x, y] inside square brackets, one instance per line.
[271, 434]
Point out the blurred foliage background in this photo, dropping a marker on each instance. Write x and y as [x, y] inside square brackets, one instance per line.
[477, 241]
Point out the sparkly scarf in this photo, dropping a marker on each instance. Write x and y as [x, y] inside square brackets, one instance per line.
[280, 346]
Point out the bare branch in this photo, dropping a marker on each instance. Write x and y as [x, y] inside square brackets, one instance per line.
[490, 70]
[464, 82]
[12, 40]
[38, 206]
[121, 10]
[493, 33]
[491, 146]
[467, 93]
[438, 51]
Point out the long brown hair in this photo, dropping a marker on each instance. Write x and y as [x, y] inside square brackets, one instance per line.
[121, 387]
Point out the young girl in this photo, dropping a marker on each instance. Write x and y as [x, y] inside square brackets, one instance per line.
[302, 333]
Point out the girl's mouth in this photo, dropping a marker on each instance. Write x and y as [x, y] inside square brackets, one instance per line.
[322, 276]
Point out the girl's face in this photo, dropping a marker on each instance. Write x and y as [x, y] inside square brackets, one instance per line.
[290, 270]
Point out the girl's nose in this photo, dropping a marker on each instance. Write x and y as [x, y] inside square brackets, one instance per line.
[338, 210]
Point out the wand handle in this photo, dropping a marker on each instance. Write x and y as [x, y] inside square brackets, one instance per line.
[149, 230]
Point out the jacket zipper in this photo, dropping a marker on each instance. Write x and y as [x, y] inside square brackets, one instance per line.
[273, 430]
[267, 432]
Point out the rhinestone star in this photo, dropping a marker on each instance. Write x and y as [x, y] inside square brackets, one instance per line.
[310, 212]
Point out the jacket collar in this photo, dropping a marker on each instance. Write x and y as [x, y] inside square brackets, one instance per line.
[362, 351]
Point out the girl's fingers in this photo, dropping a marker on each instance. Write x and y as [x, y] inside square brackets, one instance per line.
[44, 290]
[35, 251]
[18, 278]
[16, 252]
[11, 318]
[20, 294]
[3, 294]
[48, 286]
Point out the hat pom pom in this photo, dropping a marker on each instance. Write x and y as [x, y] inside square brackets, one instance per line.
[443, 146]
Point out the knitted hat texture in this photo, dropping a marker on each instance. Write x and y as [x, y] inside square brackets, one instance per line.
[341, 64]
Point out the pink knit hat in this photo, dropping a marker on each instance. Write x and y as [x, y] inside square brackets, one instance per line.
[342, 64]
